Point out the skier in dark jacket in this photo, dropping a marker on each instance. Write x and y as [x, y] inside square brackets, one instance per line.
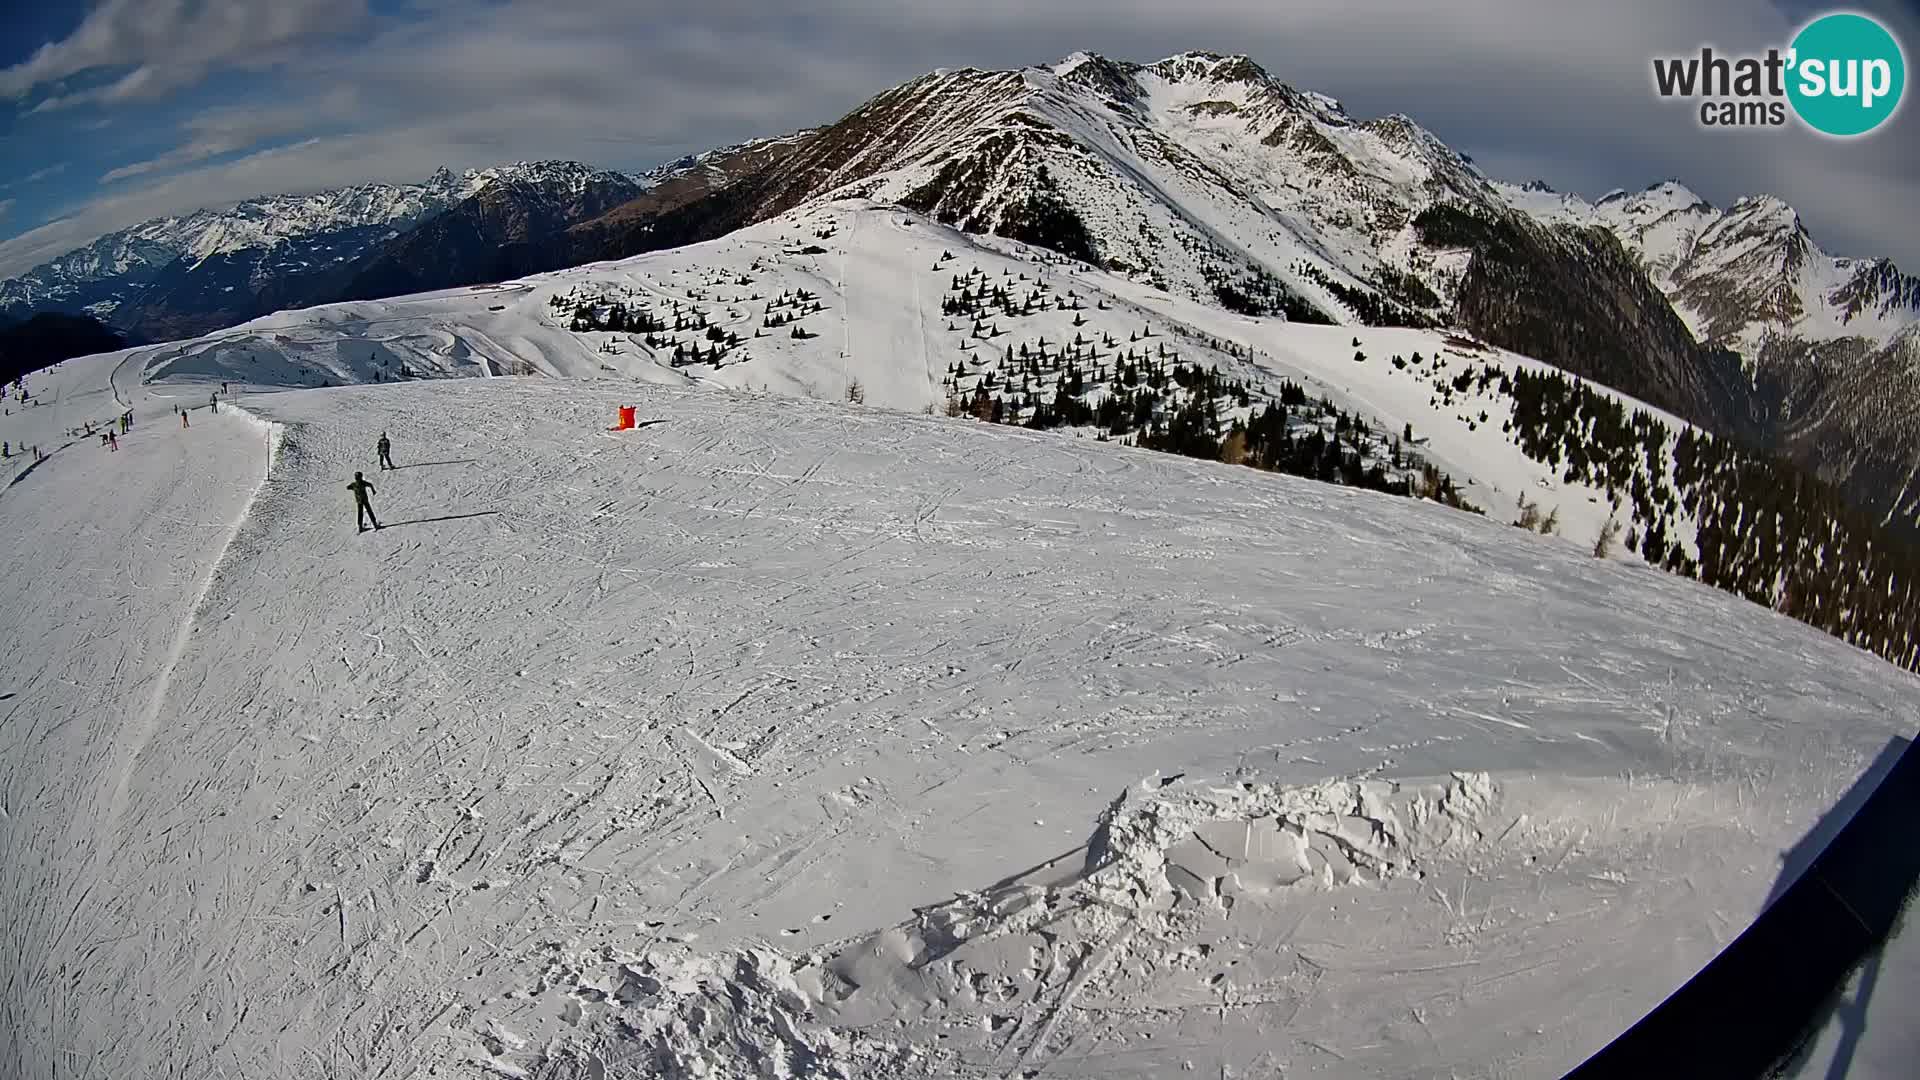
[386, 452]
[361, 490]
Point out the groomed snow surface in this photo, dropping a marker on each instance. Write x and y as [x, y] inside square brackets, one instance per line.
[789, 738]
[880, 276]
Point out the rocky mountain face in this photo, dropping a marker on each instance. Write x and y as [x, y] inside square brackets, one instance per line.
[176, 277]
[513, 225]
[1201, 173]
[671, 186]
[271, 236]
[1741, 275]
[1205, 175]
[95, 279]
[1828, 342]
[1576, 298]
[1849, 409]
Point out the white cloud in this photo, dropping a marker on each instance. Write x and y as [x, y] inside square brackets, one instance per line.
[230, 130]
[36, 176]
[170, 44]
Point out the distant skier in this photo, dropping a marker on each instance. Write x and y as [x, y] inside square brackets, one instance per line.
[386, 452]
[223, 387]
[361, 490]
[113, 442]
[213, 402]
[183, 419]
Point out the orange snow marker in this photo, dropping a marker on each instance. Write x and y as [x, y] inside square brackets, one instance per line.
[626, 418]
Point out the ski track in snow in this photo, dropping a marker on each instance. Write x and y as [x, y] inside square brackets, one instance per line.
[783, 735]
[881, 279]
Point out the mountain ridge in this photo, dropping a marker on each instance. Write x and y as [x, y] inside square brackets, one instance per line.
[268, 238]
[1206, 176]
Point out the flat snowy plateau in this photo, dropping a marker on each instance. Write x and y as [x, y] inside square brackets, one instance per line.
[785, 738]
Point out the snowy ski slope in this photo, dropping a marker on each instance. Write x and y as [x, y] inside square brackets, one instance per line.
[880, 276]
[786, 737]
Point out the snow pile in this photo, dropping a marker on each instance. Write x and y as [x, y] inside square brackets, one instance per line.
[678, 1014]
[1163, 857]
[1251, 839]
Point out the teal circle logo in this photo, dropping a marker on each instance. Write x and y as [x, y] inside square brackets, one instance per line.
[1847, 74]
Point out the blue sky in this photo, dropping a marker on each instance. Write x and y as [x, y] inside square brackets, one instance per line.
[120, 110]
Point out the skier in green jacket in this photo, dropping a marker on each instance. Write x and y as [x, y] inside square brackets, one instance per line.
[361, 490]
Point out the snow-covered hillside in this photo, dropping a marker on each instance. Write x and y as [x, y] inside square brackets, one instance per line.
[790, 737]
[870, 289]
[1200, 172]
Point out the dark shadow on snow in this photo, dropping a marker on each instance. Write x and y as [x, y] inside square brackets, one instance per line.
[429, 464]
[1796, 859]
[1756, 1009]
[429, 521]
[1849, 1013]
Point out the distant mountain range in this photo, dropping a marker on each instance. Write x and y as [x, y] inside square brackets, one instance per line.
[1201, 174]
[179, 276]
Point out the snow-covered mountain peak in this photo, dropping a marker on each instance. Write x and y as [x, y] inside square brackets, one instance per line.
[721, 160]
[1201, 79]
[1212, 67]
[1743, 275]
[1199, 170]
[1068, 63]
[1767, 212]
[1630, 210]
[1673, 193]
[1204, 81]
[565, 177]
[105, 273]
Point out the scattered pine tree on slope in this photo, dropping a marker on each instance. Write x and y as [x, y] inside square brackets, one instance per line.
[1764, 529]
